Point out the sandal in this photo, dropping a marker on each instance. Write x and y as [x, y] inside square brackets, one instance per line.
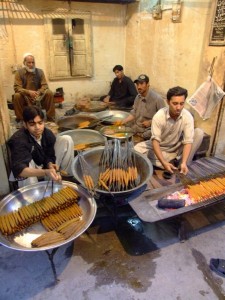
[218, 266]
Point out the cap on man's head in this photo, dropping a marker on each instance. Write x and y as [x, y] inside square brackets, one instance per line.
[27, 54]
[142, 78]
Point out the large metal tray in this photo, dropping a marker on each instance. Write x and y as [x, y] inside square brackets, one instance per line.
[114, 115]
[29, 194]
[72, 122]
[85, 136]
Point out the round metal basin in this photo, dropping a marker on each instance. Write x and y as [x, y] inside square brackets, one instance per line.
[72, 122]
[85, 136]
[117, 132]
[93, 156]
[111, 116]
[29, 194]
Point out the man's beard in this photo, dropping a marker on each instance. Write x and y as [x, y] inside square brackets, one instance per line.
[30, 70]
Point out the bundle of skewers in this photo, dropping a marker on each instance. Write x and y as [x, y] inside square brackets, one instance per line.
[118, 169]
[207, 188]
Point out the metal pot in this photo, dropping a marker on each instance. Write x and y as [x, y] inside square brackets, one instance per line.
[92, 157]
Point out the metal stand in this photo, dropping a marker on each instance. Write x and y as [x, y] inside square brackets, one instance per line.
[182, 233]
[182, 229]
[111, 206]
[116, 207]
[50, 256]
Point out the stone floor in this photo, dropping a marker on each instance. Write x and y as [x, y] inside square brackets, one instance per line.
[123, 258]
[133, 260]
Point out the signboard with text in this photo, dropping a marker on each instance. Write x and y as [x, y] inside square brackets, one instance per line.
[217, 35]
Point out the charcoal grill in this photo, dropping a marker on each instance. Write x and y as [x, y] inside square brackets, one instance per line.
[146, 204]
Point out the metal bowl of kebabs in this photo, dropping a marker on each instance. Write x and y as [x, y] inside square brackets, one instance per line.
[85, 138]
[92, 159]
[77, 121]
[27, 196]
[117, 132]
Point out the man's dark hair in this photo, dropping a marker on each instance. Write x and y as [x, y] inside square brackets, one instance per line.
[31, 112]
[176, 91]
[118, 68]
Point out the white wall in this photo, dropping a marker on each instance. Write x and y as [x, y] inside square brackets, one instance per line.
[175, 53]
[4, 183]
[170, 53]
[25, 33]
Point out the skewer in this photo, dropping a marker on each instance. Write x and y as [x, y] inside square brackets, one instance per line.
[215, 166]
[88, 145]
[52, 187]
[88, 180]
[91, 123]
[46, 187]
